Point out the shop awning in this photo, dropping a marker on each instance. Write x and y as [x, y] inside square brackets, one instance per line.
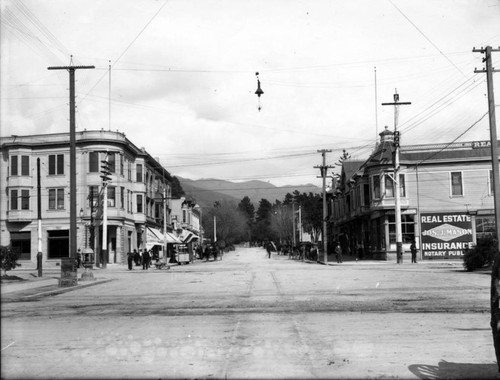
[191, 237]
[186, 236]
[172, 239]
[153, 237]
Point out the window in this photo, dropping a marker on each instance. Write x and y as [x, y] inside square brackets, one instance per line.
[366, 194]
[139, 203]
[129, 170]
[139, 173]
[111, 196]
[112, 162]
[13, 200]
[376, 187]
[456, 184]
[56, 164]
[16, 195]
[56, 199]
[485, 226]
[389, 186]
[25, 199]
[122, 197]
[402, 185]
[21, 241]
[93, 197]
[58, 244]
[25, 165]
[407, 228]
[121, 164]
[94, 162]
[13, 165]
[184, 216]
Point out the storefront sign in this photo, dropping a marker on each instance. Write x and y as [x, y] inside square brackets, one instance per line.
[445, 235]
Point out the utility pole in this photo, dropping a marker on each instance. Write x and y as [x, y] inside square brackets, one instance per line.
[105, 175]
[323, 169]
[72, 161]
[39, 255]
[397, 195]
[165, 224]
[495, 273]
[493, 130]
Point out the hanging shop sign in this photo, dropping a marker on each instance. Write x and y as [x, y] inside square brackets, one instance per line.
[445, 235]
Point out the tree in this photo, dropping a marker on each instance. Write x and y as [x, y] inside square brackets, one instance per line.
[230, 224]
[9, 257]
[261, 230]
[264, 211]
[282, 222]
[247, 210]
[312, 212]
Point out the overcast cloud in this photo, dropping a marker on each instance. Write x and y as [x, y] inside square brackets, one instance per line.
[183, 77]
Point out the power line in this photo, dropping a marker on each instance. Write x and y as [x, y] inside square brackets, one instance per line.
[428, 39]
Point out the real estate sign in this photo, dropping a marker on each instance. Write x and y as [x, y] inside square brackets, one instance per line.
[445, 235]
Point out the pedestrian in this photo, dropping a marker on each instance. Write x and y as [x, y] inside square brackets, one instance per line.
[79, 258]
[338, 253]
[137, 257]
[215, 249]
[130, 259]
[268, 249]
[145, 260]
[199, 250]
[207, 252]
[413, 249]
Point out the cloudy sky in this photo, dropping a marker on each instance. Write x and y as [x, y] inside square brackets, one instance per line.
[183, 77]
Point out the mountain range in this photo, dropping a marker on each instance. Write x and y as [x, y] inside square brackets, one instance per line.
[207, 191]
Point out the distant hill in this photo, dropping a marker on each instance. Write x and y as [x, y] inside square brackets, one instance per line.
[207, 191]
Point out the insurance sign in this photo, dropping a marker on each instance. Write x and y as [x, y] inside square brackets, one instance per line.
[445, 235]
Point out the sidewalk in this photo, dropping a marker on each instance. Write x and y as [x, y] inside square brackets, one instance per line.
[26, 283]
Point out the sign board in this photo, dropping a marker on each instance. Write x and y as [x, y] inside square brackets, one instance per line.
[68, 272]
[445, 235]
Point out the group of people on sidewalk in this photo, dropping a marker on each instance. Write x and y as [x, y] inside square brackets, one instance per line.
[141, 257]
[212, 249]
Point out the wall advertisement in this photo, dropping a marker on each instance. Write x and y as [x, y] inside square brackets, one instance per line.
[445, 235]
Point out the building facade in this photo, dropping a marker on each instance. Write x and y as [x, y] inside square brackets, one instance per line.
[136, 193]
[186, 220]
[446, 199]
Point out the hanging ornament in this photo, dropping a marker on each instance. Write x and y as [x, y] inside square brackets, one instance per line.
[259, 91]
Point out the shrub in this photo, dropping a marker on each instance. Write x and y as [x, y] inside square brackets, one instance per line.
[482, 255]
[9, 257]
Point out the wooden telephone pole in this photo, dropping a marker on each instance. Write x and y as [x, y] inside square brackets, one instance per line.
[397, 195]
[495, 273]
[72, 156]
[323, 169]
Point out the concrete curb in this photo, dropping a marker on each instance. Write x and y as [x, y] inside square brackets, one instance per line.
[53, 292]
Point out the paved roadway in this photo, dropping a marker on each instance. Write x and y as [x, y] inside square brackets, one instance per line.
[248, 316]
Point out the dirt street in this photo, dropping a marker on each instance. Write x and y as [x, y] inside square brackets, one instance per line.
[248, 316]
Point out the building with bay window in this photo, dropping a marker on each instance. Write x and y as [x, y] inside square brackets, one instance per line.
[34, 178]
[446, 198]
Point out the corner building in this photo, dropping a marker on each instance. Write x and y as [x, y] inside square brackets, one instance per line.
[139, 185]
[446, 198]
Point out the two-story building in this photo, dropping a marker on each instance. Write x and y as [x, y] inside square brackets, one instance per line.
[186, 220]
[138, 188]
[446, 200]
